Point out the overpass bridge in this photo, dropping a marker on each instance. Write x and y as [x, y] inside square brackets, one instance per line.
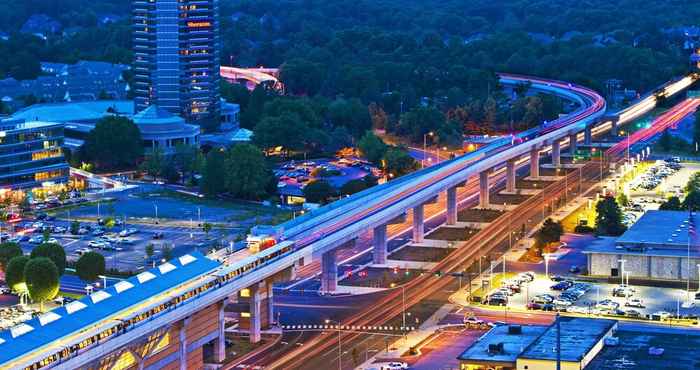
[253, 76]
[122, 334]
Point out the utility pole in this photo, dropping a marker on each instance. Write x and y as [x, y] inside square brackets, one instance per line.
[558, 342]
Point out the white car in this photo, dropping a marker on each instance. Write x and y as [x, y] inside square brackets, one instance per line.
[472, 321]
[97, 244]
[607, 305]
[394, 365]
[36, 239]
[634, 302]
[127, 232]
[562, 302]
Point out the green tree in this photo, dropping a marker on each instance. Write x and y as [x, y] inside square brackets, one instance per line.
[672, 204]
[399, 162]
[154, 163]
[351, 114]
[206, 227]
[692, 201]
[74, 227]
[150, 250]
[286, 131]
[372, 147]
[14, 274]
[213, 178]
[8, 251]
[247, 174]
[420, 121]
[319, 191]
[42, 280]
[167, 252]
[301, 76]
[550, 232]
[693, 183]
[353, 186]
[609, 217]
[90, 266]
[623, 200]
[115, 142]
[666, 141]
[54, 252]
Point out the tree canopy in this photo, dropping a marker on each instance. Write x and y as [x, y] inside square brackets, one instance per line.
[42, 279]
[14, 274]
[319, 191]
[8, 251]
[90, 266]
[54, 252]
[609, 217]
[114, 143]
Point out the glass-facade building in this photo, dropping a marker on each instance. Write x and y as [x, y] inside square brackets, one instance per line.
[176, 57]
[31, 156]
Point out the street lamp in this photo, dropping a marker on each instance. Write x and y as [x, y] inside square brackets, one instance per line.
[425, 145]
[547, 257]
[340, 351]
[155, 206]
[622, 270]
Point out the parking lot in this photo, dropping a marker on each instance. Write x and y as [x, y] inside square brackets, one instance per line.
[588, 296]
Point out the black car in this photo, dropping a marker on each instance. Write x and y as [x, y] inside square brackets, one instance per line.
[562, 285]
[557, 278]
[158, 235]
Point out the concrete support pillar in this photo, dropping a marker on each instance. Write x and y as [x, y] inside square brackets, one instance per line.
[220, 341]
[255, 319]
[588, 135]
[484, 200]
[329, 272]
[510, 175]
[452, 206]
[534, 162]
[182, 349]
[572, 143]
[270, 304]
[556, 153]
[418, 226]
[379, 253]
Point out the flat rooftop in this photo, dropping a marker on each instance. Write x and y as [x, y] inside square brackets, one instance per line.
[102, 305]
[513, 344]
[632, 352]
[661, 229]
[578, 336]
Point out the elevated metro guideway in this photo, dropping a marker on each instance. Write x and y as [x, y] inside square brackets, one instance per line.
[85, 342]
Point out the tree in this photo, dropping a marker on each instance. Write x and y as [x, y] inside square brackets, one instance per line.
[550, 232]
[115, 142]
[672, 204]
[665, 142]
[692, 201]
[399, 162]
[90, 266]
[8, 251]
[609, 217]
[150, 250]
[623, 200]
[319, 191]
[213, 179]
[420, 121]
[372, 147]
[14, 274]
[54, 252]
[74, 227]
[42, 280]
[206, 227]
[352, 114]
[167, 253]
[154, 163]
[247, 174]
[353, 186]
[287, 131]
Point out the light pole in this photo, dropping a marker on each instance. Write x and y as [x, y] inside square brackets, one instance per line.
[547, 257]
[340, 351]
[425, 147]
[622, 271]
[155, 206]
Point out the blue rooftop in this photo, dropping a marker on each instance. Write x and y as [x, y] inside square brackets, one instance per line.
[73, 317]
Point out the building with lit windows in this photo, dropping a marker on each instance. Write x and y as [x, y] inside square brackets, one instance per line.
[31, 158]
[176, 57]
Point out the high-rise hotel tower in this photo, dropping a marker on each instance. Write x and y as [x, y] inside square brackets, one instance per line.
[176, 57]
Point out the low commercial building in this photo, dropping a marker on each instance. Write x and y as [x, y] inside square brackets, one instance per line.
[534, 347]
[656, 247]
[31, 159]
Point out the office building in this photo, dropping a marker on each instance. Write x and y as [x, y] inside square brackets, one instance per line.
[176, 58]
[31, 158]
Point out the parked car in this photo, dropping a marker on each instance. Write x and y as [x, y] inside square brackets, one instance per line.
[158, 235]
[562, 285]
[98, 231]
[394, 365]
[563, 302]
[574, 269]
[472, 321]
[37, 239]
[622, 291]
[59, 229]
[497, 300]
[634, 302]
[607, 305]
[633, 313]
[128, 232]
[543, 298]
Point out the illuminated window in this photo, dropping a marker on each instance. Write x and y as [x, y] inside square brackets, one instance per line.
[125, 361]
[245, 314]
[245, 293]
